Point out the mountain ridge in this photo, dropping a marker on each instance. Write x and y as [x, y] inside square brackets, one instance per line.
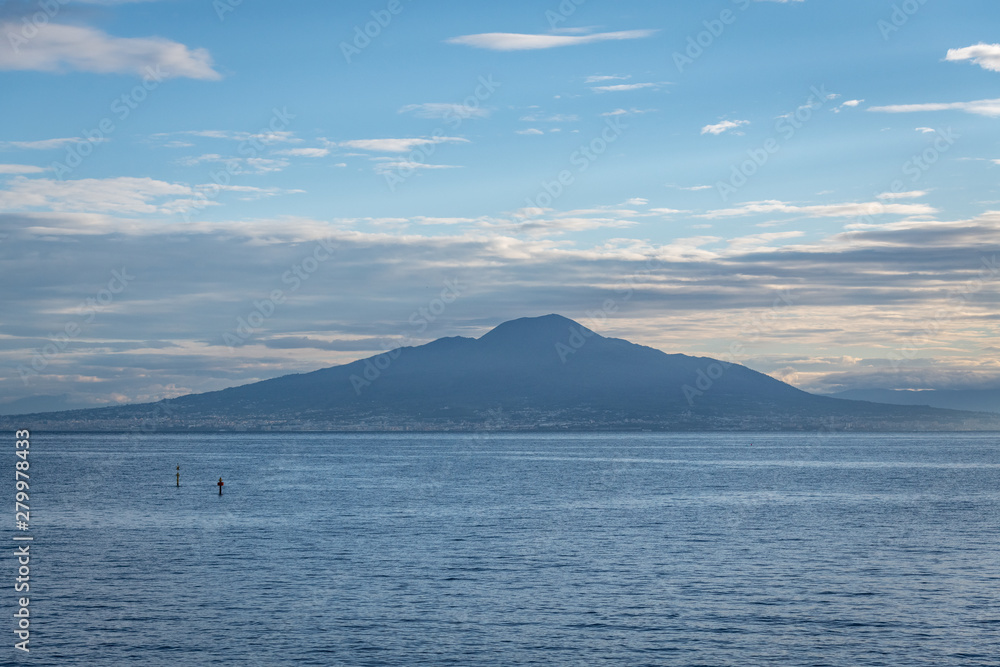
[540, 373]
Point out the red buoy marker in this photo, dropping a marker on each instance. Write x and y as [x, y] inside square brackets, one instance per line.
[220, 486]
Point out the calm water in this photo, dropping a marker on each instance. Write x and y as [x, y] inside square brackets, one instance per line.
[514, 550]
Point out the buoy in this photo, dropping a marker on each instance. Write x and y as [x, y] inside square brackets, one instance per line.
[220, 486]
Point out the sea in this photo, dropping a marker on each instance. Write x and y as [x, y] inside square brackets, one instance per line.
[510, 549]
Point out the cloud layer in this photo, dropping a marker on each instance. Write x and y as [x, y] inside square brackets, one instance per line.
[61, 48]
[510, 41]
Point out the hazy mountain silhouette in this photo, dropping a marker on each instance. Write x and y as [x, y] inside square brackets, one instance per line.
[981, 400]
[542, 372]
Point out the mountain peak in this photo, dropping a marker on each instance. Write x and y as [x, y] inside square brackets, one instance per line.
[546, 329]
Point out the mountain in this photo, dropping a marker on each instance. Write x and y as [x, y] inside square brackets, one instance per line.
[980, 400]
[547, 373]
[30, 404]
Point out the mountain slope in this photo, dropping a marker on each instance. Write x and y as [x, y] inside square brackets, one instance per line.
[543, 372]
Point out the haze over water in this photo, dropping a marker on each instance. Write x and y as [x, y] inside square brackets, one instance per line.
[487, 549]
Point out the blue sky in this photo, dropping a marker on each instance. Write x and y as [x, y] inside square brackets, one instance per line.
[812, 183]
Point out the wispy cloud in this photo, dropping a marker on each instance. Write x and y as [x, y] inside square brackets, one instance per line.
[510, 41]
[986, 56]
[551, 118]
[848, 104]
[398, 145]
[60, 48]
[724, 126]
[20, 169]
[238, 165]
[601, 78]
[444, 110]
[980, 107]
[267, 138]
[124, 195]
[624, 87]
[914, 194]
[626, 112]
[389, 166]
[852, 209]
[49, 144]
[304, 152]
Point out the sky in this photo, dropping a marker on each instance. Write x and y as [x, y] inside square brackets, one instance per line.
[202, 194]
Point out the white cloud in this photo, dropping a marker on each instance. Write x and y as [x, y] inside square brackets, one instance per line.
[509, 41]
[445, 110]
[553, 118]
[724, 126]
[304, 152]
[926, 130]
[981, 107]
[59, 48]
[398, 145]
[555, 226]
[627, 112]
[603, 78]
[20, 169]
[260, 165]
[530, 130]
[111, 195]
[48, 144]
[424, 220]
[408, 165]
[195, 160]
[986, 56]
[850, 104]
[853, 209]
[267, 138]
[623, 87]
[914, 194]
[237, 165]
[248, 192]
[636, 201]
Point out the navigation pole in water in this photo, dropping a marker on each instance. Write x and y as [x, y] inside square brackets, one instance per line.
[220, 486]
[178, 476]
